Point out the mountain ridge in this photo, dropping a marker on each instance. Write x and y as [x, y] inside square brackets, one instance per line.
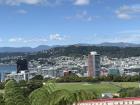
[46, 47]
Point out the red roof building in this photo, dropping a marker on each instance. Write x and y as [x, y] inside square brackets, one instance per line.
[113, 101]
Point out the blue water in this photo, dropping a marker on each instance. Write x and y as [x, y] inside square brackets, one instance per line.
[7, 68]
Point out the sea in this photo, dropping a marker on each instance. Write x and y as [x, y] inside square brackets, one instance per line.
[7, 68]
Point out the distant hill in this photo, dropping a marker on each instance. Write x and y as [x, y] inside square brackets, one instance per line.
[23, 49]
[78, 50]
[120, 44]
[109, 44]
[46, 47]
[120, 50]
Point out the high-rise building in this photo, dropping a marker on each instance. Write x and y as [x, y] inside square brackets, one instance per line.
[22, 65]
[0, 77]
[93, 64]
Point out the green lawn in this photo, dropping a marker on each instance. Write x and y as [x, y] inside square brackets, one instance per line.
[102, 87]
[97, 87]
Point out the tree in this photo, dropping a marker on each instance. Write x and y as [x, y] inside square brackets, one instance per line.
[33, 85]
[14, 95]
[22, 83]
[1, 100]
[1, 85]
[47, 95]
[37, 77]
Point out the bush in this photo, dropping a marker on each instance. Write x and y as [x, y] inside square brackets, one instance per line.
[37, 77]
[130, 92]
[33, 85]
[2, 85]
[1, 99]
[22, 83]
[74, 78]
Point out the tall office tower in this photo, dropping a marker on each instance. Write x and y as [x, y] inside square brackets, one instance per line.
[0, 77]
[93, 64]
[22, 65]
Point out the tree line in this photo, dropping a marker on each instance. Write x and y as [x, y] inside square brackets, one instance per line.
[109, 78]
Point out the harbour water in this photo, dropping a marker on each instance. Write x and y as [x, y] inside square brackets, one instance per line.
[7, 68]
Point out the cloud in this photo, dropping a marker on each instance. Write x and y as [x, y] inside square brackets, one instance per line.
[84, 16]
[34, 2]
[128, 12]
[56, 37]
[128, 36]
[15, 40]
[56, 2]
[19, 2]
[52, 37]
[133, 38]
[22, 11]
[82, 2]
[44, 2]
[135, 31]
[22, 40]
[1, 40]
[123, 16]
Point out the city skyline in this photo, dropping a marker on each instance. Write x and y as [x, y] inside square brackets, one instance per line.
[64, 22]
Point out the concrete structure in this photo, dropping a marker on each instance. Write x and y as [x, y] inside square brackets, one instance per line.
[93, 64]
[107, 95]
[115, 101]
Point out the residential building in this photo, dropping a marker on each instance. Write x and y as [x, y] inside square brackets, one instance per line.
[103, 72]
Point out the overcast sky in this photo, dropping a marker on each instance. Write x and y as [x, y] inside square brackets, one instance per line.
[62, 22]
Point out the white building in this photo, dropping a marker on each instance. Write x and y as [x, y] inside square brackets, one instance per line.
[23, 75]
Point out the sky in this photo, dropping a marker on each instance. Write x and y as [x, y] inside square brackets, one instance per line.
[65, 22]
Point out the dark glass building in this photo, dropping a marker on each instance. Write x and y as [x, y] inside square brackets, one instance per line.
[0, 77]
[22, 65]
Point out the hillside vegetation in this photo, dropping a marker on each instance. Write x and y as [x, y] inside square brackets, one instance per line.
[75, 51]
